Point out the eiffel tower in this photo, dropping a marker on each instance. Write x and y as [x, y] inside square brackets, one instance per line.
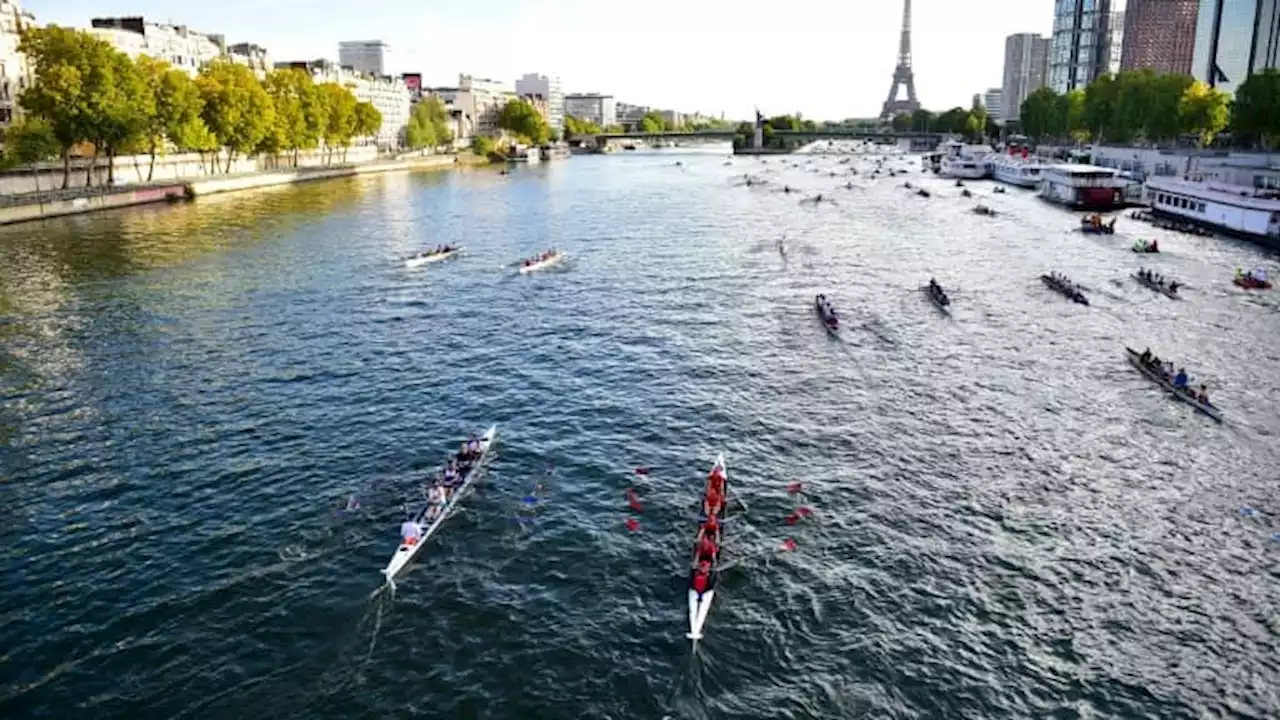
[902, 74]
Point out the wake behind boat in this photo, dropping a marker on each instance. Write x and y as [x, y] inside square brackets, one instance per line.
[1174, 380]
[443, 495]
[706, 549]
[541, 261]
[442, 252]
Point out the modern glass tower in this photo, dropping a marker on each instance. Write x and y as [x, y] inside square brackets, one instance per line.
[1084, 36]
[1234, 39]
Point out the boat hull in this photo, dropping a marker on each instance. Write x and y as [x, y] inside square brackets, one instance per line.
[404, 554]
[429, 259]
[1162, 289]
[549, 262]
[700, 603]
[1207, 408]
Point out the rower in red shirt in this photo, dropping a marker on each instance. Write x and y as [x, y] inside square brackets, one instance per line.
[713, 502]
[701, 576]
[706, 546]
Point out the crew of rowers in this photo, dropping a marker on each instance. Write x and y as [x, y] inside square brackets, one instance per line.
[938, 293]
[1178, 378]
[540, 257]
[1094, 222]
[443, 486]
[707, 546]
[1064, 283]
[439, 250]
[1157, 279]
[829, 315]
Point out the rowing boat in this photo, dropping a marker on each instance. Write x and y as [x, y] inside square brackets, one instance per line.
[542, 264]
[1165, 290]
[1070, 291]
[700, 602]
[938, 298]
[1135, 358]
[827, 313]
[425, 258]
[406, 551]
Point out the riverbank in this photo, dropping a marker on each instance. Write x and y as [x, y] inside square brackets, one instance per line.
[61, 203]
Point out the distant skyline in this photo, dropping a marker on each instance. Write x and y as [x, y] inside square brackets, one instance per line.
[829, 59]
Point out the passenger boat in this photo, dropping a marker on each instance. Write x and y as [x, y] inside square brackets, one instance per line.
[963, 162]
[1064, 285]
[931, 162]
[827, 313]
[700, 602]
[541, 262]
[1135, 359]
[431, 522]
[1017, 170]
[1239, 199]
[1086, 187]
[1169, 290]
[431, 257]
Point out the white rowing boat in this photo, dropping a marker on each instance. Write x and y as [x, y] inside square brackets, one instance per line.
[700, 602]
[542, 264]
[425, 258]
[406, 551]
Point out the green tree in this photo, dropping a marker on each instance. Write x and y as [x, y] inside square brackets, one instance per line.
[420, 132]
[954, 120]
[976, 124]
[1202, 111]
[441, 121]
[1039, 112]
[237, 109]
[340, 117]
[1255, 114]
[1100, 106]
[288, 131]
[523, 119]
[901, 122]
[29, 141]
[119, 111]
[1076, 126]
[71, 84]
[175, 105]
[615, 128]
[651, 122]
[368, 120]
[578, 126]
[483, 145]
[924, 121]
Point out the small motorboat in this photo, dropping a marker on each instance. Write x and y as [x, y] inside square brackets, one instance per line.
[1255, 279]
[1146, 246]
[1093, 225]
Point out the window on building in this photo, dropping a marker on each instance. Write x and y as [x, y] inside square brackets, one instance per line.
[1199, 207]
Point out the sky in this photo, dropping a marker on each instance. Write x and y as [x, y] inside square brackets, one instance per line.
[828, 59]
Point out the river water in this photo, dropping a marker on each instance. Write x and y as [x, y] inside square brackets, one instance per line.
[1008, 520]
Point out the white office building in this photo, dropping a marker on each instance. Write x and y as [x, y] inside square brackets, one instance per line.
[549, 89]
[364, 56]
[1026, 69]
[178, 45]
[599, 109]
[388, 95]
[14, 71]
[993, 101]
[254, 57]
